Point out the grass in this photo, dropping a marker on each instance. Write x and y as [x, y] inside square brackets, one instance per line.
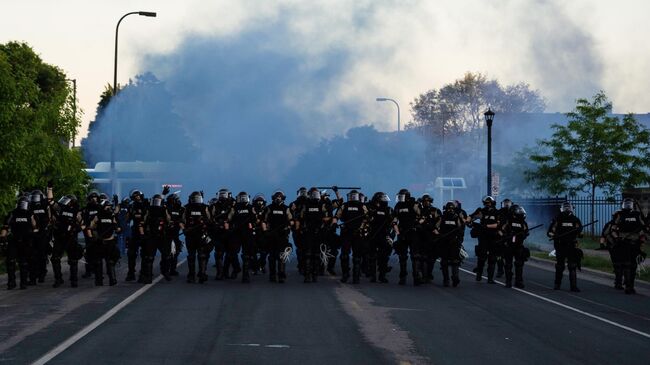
[595, 263]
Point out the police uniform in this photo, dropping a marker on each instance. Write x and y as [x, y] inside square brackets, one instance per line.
[66, 227]
[564, 230]
[277, 218]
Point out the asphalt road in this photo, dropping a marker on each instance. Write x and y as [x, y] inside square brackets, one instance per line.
[328, 322]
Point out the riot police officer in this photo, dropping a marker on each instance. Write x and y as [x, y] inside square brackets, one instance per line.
[330, 237]
[565, 230]
[137, 212]
[313, 217]
[104, 227]
[276, 223]
[429, 221]
[42, 236]
[259, 240]
[380, 217]
[156, 222]
[628, 232]
[67, 225]
[219, 228]
[296, 208]
[88, 215]
[242, 219]
[407, 215]
[504, 215]
[176, 213]
[197, 242]
[487, 233]
[514, 230]
[353, 215]
[451, 226]
[17, 247]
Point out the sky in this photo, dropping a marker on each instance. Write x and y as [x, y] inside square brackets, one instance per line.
[395, 49]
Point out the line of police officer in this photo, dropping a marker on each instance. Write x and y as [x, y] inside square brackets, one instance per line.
[369, 232]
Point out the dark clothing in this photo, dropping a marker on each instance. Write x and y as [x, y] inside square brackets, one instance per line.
[278, 219]
[196, 220]
[565, 229]
[488, 248]
[312, 220]
[451, 227]
[515, 232]
[218, 232]
[21, 224]
[628, 231]
[380, 220]
[353, 237]
[407, 215]
[66, 227]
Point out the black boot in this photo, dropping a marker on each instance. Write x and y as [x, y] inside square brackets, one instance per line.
[99, 274]
[455, 278]
[490, 273]
[372, 269]
[519, 276]
[345, 268]
[74, 270]
[236, 268]
[403, 272]
[618, 277]
[88, 270]
[58, 276]
[508, 279]
[110, 270]
[500, 270]
[557, 284]
[191, 269]
[356, 270]
[219, 265]
[24, 275]
[282, 275]
[630, 276]
[148, 278]
[308, 270]
[445, 275]
[11, 274]
[203, 268]
[130, 275]
[245, 277]
[273, 274]
[479, 272]
[573, 280]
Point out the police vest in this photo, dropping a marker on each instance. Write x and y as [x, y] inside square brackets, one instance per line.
[381, 219]
[196, 215]
[21, 223]
[448, 222]
[277, 216]
[351, 214]
[156, 221]
[406, 216]
[313, 214]
[629, 222]
[176, 214]
[489, 216]
[137, 214]
[243, 215]
[66, 220]
[41, 216]
[106, 225]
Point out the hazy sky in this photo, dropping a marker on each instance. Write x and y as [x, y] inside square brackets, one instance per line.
[567, 49]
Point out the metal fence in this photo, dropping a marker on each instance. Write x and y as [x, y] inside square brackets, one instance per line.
[543, 209]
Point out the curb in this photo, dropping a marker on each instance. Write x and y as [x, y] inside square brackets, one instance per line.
[599, 273]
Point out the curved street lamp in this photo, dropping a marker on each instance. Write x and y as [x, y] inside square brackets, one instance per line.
[396, 104]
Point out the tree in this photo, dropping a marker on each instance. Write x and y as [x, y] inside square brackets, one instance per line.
[458, 108]
[595, 150]
[37, 123]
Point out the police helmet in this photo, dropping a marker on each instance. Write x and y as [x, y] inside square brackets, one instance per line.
[403, 195]
[36, 197]
[22, 203]
[314, 194]
[106, 204]
[242, 197]
[628, 204]
[157, 201]
[278, 196]
[353, 196]
[363, 198]
[172, 199]
[136, 194]
[302, 192]
[459, 205]
[259, 199]
[567, 208]
[213, 201]
[103, 196]
[518, 211]
[196, 198]
[92, 195]
[325, 195]
[488, 201]
[224, 194]
[506, 203]
[450, 206]
[65, 201]
[426, 198]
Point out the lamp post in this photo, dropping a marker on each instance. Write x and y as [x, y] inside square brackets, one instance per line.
[117, 30]
[396, 104]
[489, 117]
[74, 108]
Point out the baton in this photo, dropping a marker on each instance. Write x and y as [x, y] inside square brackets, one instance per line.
[522, 232]
[572, 231]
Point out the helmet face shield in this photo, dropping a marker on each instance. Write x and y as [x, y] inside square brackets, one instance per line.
[64, 201]
[243, 198]
[628, 204]
[223, 194]
[519, 211]
[23, 204]
[35, 198]
[507, 203]
[156, 202]
[401, 198]
[384, 198]
[353, 197]
[315, 195]
[566, 208]
[196, 199]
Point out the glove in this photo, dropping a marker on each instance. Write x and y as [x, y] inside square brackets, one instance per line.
[335, 188]
[201, 193]
[166, 190]
[116, 200]
[50, 184]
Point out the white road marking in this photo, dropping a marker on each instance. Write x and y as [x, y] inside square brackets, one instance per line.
[259, 345]
[604, 320]
[96, 323]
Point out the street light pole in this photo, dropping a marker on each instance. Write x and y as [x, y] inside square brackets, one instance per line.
[397, 105]
[489, 118]
[117, 30]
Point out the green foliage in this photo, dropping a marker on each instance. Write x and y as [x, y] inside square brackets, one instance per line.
[459, 107]
[37, 121]
[595, 150]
